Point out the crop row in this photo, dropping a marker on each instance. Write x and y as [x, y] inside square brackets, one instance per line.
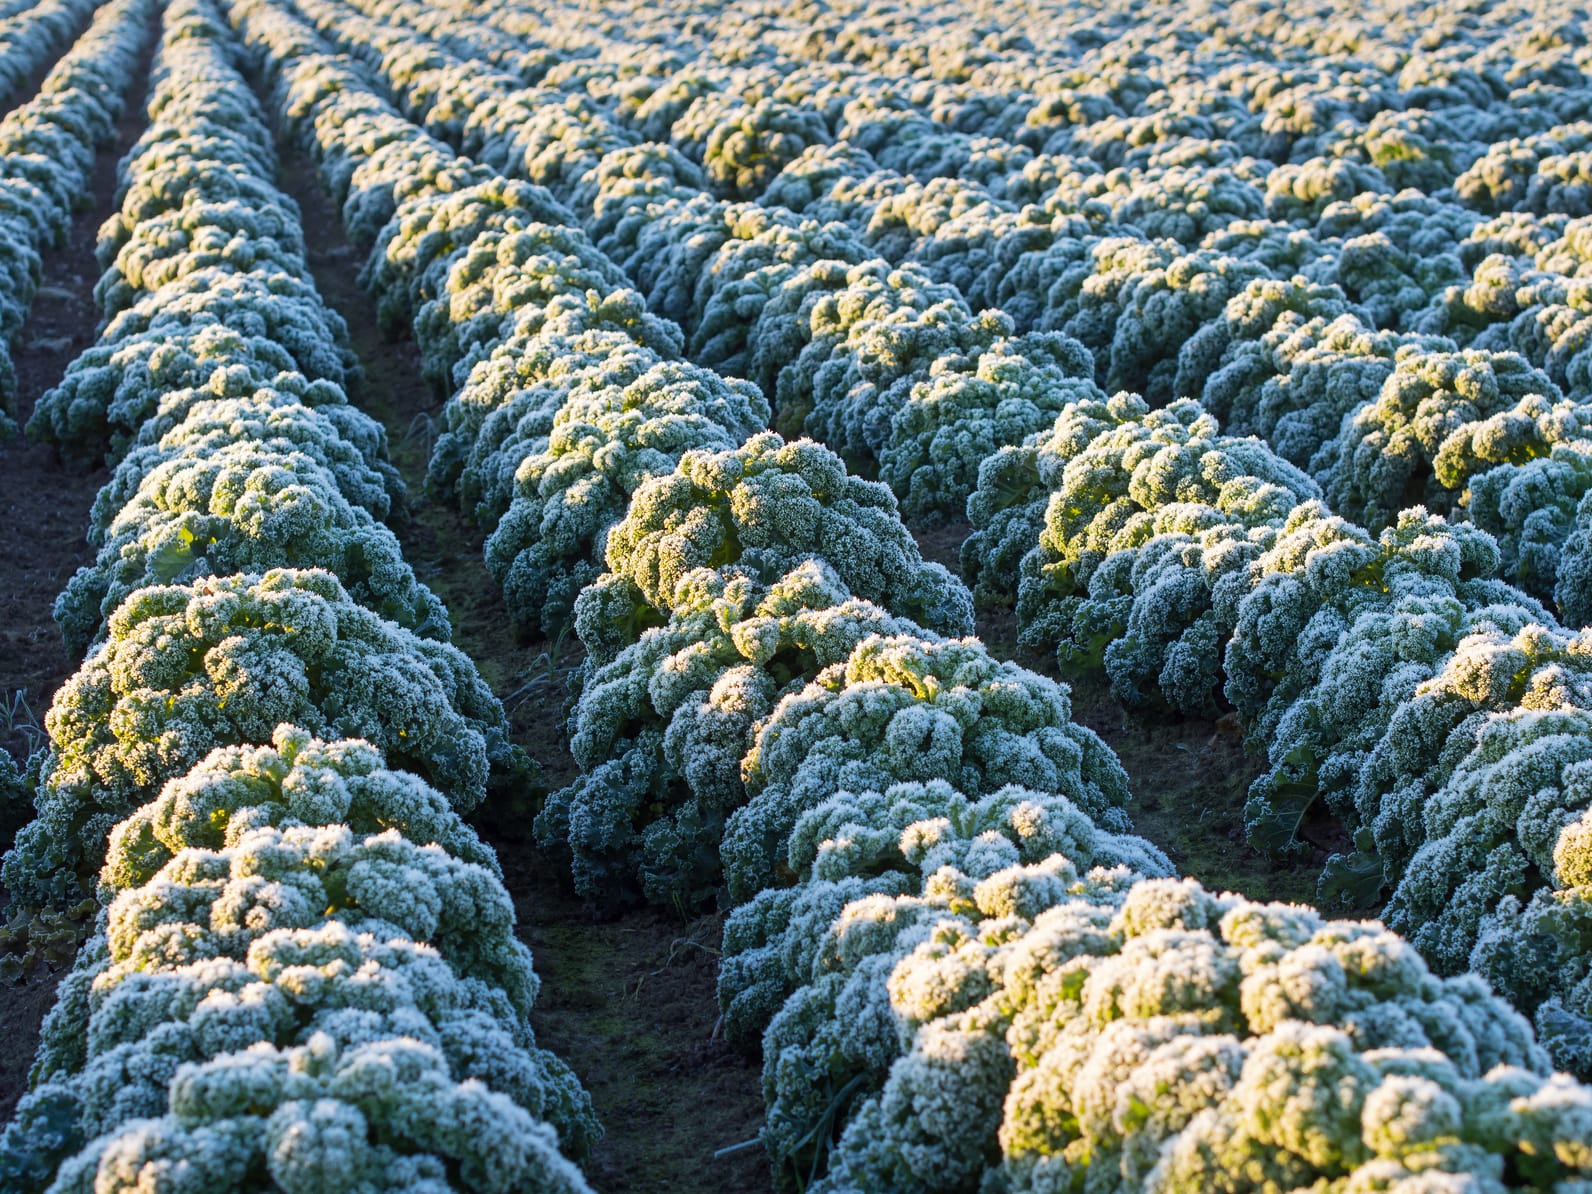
[303, 972]
[47, 145]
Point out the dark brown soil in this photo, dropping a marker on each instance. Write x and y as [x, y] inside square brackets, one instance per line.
[44, 508]
[43, 504]
[629, 1003]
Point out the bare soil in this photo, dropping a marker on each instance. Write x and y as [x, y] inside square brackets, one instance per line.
[44, 508]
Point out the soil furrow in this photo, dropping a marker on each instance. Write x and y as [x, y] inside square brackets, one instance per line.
[44, 510]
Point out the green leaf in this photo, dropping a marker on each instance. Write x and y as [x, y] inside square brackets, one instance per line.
[1279, 803]
[1350, 881]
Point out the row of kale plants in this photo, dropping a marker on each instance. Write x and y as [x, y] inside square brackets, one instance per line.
[303, 972]
[47, 146]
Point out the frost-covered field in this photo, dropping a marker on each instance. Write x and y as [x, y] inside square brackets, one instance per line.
[1244, 349]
